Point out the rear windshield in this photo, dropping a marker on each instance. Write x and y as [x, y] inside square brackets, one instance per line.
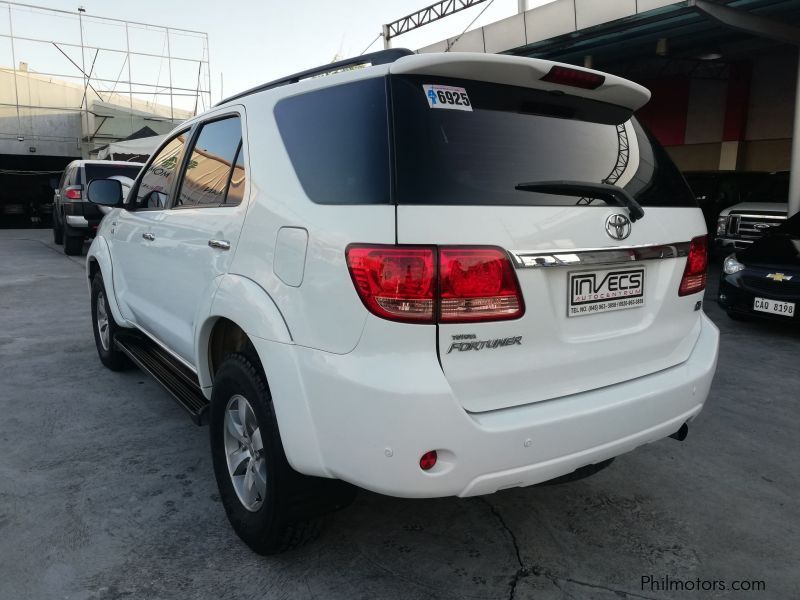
[106, 171]
[516, 135]
[340, 141]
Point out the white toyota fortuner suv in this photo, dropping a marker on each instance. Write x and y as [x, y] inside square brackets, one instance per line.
[437, 275]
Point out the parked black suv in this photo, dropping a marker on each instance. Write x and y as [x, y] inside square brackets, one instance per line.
[74, 218]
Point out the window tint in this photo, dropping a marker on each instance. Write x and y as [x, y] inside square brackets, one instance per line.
[208, 171]
[338, 142]
[516, 135]
[155, 185]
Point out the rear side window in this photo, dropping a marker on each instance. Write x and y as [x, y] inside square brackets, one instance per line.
[516, 135]
[211, 165]
[338, 142]
[153, 192]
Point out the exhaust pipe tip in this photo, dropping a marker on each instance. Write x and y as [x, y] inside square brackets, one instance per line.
[681, 434]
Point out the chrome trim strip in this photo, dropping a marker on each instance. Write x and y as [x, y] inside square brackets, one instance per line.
[764, 216]
[581, 257]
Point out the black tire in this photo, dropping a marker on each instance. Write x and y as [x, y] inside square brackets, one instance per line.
[292, 511]
[73, 242]
[58, 232]
[109, 355]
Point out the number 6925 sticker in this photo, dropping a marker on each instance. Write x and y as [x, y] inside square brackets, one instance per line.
[447, 96]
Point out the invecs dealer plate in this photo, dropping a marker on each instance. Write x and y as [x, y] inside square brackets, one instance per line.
[592, 292]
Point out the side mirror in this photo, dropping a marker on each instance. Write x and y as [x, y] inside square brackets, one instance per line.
[105, 192]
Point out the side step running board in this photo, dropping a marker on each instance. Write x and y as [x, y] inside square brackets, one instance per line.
[179, 381]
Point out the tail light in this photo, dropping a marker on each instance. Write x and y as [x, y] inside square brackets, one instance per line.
[73, 193]
[477, 284]
[694, 274]
[395, 282]
[423, 284]
[574, 78]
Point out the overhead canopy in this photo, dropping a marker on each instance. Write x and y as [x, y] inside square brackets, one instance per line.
[140, 147]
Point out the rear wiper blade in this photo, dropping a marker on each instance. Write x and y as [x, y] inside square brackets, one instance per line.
[603, 191]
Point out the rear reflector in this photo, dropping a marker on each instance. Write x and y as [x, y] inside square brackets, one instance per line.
[694, 274]
[428, 460]
[477, 284]
[420, 284]
[574, 78]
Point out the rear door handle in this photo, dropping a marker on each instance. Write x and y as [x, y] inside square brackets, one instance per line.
[220, 244]
[149, 237]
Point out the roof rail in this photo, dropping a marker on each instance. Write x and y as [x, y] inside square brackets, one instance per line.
[381, 57]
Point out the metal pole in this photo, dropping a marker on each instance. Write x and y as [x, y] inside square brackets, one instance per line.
[794, 175]
[130, 77]
[14, 65]
[208, 71]
[169, 70]
[83, 69]
[387, 42]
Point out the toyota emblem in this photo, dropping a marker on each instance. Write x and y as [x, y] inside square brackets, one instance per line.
[618, 226]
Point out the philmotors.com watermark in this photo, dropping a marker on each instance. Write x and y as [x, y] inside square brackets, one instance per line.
[666, 583]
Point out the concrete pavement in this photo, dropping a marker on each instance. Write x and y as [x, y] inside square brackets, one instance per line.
[107, 489]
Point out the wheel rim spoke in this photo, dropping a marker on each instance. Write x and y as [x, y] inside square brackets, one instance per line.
[243, 413]
[238, 461]
[260, 477]
[243, 451]
[102, 321]
[234, 428]
[249, 493]
[255, 437]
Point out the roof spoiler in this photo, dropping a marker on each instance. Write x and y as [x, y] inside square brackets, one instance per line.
[526, 72]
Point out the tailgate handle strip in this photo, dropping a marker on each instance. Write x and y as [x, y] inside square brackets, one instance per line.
[580, 257]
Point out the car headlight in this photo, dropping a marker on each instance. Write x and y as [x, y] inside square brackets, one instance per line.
[722, 225]
[731, 265]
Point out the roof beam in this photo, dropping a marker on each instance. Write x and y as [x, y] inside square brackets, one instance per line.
[744, 21]
[426, 15]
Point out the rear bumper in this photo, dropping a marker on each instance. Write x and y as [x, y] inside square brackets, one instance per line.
[367, 417]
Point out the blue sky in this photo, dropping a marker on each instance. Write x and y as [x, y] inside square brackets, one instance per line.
[251, 41]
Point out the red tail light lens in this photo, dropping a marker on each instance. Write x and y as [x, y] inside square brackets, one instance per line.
[73, 193]
[404, 283]
[477, 284]
[395, 282]
[574, 78]
[694, 274]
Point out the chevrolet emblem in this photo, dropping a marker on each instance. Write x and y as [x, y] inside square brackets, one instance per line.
[779, 277]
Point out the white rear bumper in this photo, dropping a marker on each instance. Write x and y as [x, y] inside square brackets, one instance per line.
[366, 417]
